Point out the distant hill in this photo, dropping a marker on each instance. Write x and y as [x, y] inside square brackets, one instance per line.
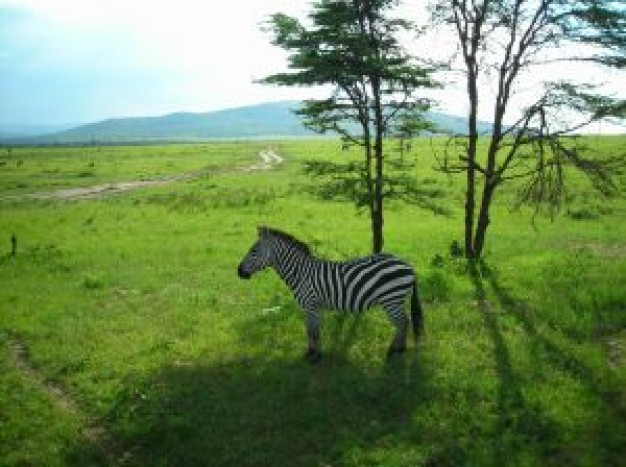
[27, 131]
[269, 120]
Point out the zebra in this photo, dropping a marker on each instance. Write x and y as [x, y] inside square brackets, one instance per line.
[354, 285]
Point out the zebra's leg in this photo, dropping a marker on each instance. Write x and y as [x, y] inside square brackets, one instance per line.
[398, 318]
[313, 353]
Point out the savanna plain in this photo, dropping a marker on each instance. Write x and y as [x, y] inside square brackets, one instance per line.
[126, 337]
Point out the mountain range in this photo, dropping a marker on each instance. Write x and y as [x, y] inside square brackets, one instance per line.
[268, 120]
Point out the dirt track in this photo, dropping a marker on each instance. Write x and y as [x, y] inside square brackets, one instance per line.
[268, 156]
[93, 432]
[270, 159]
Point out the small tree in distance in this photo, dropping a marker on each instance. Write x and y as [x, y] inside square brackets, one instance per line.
[352, 45]
[502, 39]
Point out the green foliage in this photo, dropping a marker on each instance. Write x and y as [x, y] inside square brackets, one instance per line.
[435, 287]
[597, 23]
[353, 47]
[348, 182]
[513, 38]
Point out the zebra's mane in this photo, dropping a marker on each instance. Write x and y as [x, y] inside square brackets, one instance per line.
[289, 239]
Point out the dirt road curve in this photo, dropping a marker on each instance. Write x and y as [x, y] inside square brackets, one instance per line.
[269, 159]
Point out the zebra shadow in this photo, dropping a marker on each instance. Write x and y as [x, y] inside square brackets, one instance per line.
[281, 330]
[342, 331]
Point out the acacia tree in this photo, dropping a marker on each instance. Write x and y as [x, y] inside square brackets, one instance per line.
[352, 45]
[503, 40]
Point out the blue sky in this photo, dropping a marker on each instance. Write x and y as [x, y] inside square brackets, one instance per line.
[68, 61]
[79, 61]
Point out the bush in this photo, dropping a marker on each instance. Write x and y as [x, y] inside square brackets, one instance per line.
[436, 286]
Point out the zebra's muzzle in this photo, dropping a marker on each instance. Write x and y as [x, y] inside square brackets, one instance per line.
[242, 273]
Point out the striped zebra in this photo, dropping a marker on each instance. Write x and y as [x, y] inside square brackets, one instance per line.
[353, 285]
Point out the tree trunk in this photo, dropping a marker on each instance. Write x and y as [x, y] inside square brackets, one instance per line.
[371, 190]
[378, 220]
[483, 220]
[469, 204]
[377, 212]
[470, 194]
[491, 182]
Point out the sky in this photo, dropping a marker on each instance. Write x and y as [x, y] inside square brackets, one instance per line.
[79, 61]
[66, 61]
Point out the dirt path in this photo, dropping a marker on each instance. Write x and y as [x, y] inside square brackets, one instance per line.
[269, 159]
[96, 191]
[94, 433]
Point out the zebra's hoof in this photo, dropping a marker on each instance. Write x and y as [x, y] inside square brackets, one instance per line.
[313, 356]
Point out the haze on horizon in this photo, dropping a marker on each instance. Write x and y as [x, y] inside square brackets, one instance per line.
[79, 61]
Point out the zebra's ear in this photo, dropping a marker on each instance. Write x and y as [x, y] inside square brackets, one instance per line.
[262, 231]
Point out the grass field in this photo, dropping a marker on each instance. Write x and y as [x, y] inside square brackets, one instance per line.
[126, 337]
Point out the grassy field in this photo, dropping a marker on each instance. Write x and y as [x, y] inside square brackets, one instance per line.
[126, 337]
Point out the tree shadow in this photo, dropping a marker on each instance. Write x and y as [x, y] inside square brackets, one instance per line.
[612, 419]
[558, 355]
[255, 411]
[531, 425]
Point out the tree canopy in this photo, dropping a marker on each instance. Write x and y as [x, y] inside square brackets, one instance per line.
[353, 47]
[503, 40]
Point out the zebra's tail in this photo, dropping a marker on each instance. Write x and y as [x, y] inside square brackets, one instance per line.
[416, 312]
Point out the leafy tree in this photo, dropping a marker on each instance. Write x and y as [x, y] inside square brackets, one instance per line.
[502, 40]
[352, 46]
[599, 23]
[407, 126]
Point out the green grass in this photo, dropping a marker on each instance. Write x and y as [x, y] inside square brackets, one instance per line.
[131, 305]
[28, 170]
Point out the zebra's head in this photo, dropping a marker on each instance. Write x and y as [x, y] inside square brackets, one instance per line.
[258, 257]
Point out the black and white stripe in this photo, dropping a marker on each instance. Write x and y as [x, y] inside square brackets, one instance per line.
[351, 286]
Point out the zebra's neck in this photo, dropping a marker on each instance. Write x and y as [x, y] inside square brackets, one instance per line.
[291, 263]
